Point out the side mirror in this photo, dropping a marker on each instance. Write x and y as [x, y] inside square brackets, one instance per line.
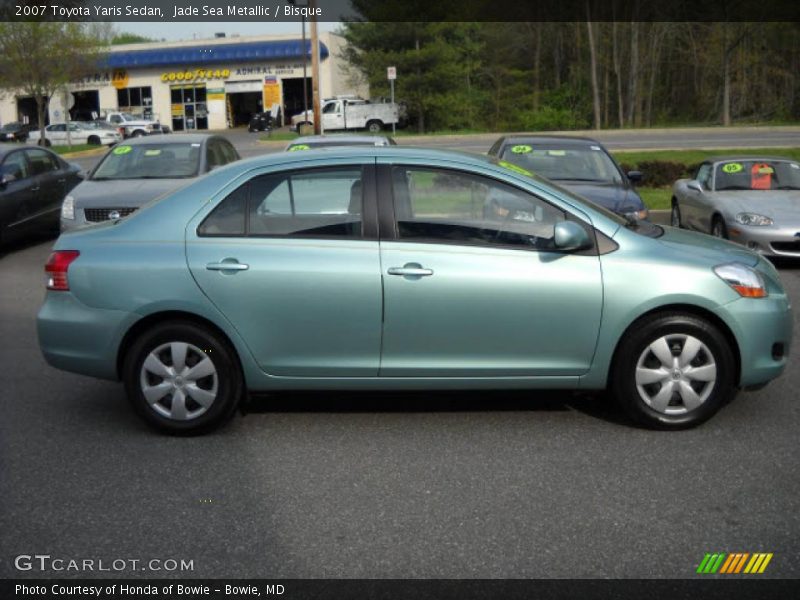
[571, 236]
[6, 179]
[694, 185]
[635, 176]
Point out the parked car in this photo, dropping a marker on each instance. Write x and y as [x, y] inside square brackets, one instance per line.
[351, 113]
[261, 121]
[751, 200]
[14, 132]
[139, 170]
[582, 165]
[133, 126]
[328, 141]
[79, 133]
[33, 182]
[377, 268]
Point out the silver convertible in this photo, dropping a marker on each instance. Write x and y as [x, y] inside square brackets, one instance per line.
[754, 201]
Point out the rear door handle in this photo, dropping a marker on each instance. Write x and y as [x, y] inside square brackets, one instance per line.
[411, 270]
[228, 264]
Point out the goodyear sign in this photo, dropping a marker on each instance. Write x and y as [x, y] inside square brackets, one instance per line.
[195, 75]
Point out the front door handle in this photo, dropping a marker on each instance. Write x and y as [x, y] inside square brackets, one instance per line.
[227, 264]
[411, 270]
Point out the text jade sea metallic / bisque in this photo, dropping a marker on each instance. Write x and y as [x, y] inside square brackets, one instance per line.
[398, 268]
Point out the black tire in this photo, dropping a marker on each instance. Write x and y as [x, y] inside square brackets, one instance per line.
[93, 140]
[226, 382]
[676, 329]
[675, 215]
[137, 133]
[47, 143]
[374, 126]
[718, 228]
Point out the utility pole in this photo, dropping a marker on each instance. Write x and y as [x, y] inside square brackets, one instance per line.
[318, 129]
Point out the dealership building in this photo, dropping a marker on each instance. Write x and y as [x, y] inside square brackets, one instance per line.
[199, 84]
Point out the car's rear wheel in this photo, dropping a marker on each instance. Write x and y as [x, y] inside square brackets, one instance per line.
[374, 126]
[183, 378]
[673, 371]
[718, 228]
[93, 140]
[47, 143]
[675, 215]
[138, 133]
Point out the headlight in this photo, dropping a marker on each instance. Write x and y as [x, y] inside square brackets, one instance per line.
[753, 219]
[68, 208]
[745, 281]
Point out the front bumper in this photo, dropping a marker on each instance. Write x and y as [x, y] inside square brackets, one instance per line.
[769, 241]
[760, 324]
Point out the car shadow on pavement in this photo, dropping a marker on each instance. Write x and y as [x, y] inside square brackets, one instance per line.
[594, 404]
[30, 241]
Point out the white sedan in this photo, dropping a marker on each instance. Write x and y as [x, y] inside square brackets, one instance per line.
[79, 133]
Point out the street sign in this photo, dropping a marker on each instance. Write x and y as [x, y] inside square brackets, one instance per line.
[391, 73]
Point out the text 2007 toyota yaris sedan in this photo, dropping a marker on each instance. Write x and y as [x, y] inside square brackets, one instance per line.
[399, 268]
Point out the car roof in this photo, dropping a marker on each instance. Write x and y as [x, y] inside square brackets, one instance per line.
[560, 140]
[334, 139]
[733, 157]
[5, 149]
[171, 138]
[342, 152]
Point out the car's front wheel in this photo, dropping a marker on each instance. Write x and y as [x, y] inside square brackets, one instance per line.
[183, 378]
[675, 215]
[718, 228]
[673, 371]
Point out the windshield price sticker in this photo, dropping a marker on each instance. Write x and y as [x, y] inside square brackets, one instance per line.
[122, 150]
[515, 168]
[732, 167]
[151, 152]
[299, 147]
[557, 152]
[521, 149]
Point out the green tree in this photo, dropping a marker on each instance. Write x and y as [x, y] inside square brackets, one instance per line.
[125, 37]
[39, 58]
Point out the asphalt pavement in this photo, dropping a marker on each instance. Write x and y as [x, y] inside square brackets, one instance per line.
[457, 485]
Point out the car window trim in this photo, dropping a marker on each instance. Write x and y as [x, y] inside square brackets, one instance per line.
[369, 216]
[389, 230]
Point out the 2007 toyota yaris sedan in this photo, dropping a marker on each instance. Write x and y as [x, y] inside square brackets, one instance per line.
[400, 268]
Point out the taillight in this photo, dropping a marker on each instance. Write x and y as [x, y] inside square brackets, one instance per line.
[57, 267]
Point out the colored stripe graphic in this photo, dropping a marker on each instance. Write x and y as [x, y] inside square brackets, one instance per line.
[733, 563]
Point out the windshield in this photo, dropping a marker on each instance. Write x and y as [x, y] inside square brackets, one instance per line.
[9, 127]
[756, 174]
[150, 161]
[127, 116]
[564, 163]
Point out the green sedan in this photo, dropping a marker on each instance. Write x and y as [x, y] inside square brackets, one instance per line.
[405, 269]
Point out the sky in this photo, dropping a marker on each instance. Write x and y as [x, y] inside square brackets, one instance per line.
[203, 30]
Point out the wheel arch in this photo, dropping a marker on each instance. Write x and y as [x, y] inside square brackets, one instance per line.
[690, 309]
[153, 319]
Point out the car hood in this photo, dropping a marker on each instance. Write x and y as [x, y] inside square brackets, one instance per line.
[777, 204]
[701, 245]
[123, 192]
[615, 197]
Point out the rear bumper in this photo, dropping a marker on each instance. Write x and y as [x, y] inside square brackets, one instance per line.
[81, 339]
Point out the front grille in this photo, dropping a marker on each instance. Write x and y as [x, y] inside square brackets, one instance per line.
[786, 246]
[96, 215]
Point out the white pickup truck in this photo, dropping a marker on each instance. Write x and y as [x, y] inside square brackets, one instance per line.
[348, 113]
[134, 127]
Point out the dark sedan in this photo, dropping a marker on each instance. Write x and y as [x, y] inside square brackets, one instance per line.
[582, 165]
[14, 132]
[33, 182]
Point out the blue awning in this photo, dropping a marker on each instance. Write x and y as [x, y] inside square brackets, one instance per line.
[190, 56]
